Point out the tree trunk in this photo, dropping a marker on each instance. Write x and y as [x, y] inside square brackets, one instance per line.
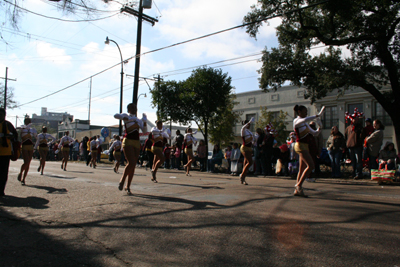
[206, 140]
[396, 125]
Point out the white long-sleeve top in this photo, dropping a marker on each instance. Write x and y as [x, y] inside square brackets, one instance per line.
[94, 144]
[303, 128]
[247, 135]
[66, 141]
[190, 139]
[158, 136]
[116, 145]
[133, 123]
[27, 133]
[42, 139]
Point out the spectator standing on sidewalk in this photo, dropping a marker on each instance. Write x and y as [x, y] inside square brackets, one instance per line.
[202, 155]
[374, 143]
[354, 142]
[335, 146]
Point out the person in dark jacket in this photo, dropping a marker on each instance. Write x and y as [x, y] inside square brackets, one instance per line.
[354, 142]
[335, 146]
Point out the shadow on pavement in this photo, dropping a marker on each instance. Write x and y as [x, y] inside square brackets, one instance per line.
[23, 244]
[31, 202]
[50, 189]
[60, 177]
[196, 186]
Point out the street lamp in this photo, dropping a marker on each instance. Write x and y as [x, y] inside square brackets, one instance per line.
[140, 95]
[122, 81]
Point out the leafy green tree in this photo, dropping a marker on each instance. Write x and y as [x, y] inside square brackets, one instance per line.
[279, 123]
[207, 95]
[205, 98]
[168, 97]
[11, 103]
[221, 130]
[369, 29]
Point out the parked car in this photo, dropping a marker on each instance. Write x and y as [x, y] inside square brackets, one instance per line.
[104, 154]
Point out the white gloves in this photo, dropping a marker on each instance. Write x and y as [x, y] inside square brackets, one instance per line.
[252, 120]
[144, 117]
[321, 112]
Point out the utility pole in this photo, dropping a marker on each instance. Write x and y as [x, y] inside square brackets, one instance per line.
[90, 98]
[5, 87]
[141, 17]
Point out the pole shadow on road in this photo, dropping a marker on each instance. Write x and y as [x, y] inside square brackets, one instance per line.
[31, 202]
[196, 186]
[50, 190]
[60, 177]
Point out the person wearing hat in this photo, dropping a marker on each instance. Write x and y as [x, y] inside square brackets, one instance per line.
[387, 156]
[369, 128]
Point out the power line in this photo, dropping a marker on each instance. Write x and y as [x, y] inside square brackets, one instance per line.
[65, 20]
[177, 44]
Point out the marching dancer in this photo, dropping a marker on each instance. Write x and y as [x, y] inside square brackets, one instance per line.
[65, 142]
[7, 134]
[42, 145]
[27, 148]
[157, 148]
[131, 143]
[188, 141]
[246, 149]
[305, 145]
[116, 145]
[94, 145]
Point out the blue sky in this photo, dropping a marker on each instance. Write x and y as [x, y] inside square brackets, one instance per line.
[46, 55]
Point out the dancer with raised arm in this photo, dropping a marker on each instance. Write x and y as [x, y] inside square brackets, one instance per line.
[116, 145]
[157, 148]
[42, 144]
[131, 143]
[188, 142]
[27, 148]
[305, 145]
[65, 142]
[246, 149]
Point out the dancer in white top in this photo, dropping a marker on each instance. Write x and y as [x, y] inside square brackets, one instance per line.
[116, 145]
[27, 148]
[158, 135]
[94, 145]
[188, 141]
[65, 142]
[131, 143]
[42, 145]
[246, 149]
[305, 145]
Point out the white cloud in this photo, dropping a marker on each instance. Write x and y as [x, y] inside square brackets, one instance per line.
[52, 54]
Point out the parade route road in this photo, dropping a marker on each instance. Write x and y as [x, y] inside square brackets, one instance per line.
[79, 217]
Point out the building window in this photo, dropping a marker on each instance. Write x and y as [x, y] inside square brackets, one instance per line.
[275, 97]
[331, 117]
[252, 100]
[300, 94]
[381, 114]
[248, 117]
[274, 115]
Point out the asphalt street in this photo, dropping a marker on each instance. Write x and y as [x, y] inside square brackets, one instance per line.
[79, 217]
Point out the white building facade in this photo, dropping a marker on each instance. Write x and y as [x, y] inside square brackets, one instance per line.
[285, 98]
